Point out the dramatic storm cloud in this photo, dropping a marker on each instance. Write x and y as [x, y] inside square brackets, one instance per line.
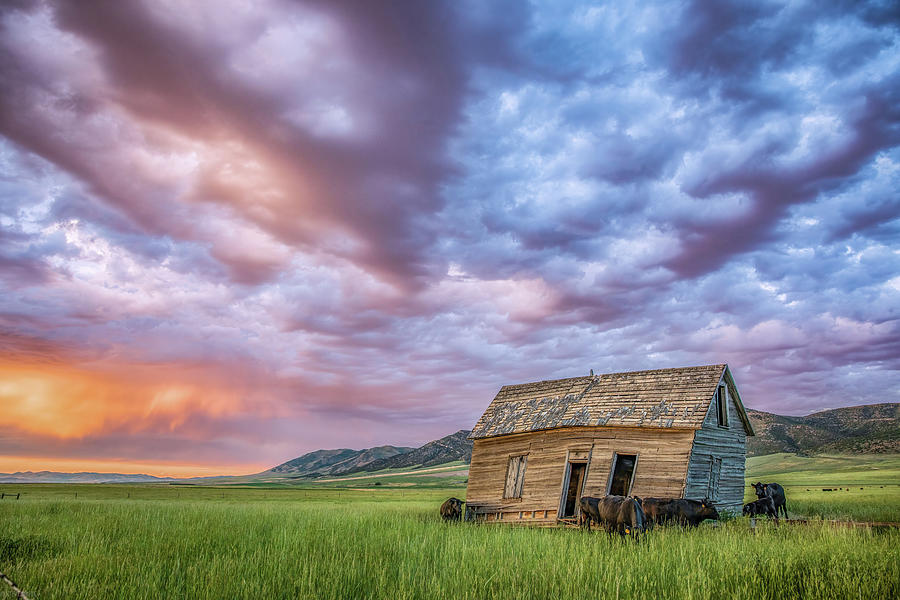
[234, 232]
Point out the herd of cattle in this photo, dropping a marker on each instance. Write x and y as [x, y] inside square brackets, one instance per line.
[630, 514]
[626, 514]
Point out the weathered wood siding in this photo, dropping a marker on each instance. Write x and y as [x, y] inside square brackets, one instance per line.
[729, 444]
[660, 471]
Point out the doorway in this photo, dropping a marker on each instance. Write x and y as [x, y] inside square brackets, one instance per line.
[715, 471]
[572, 489]
[622, 474]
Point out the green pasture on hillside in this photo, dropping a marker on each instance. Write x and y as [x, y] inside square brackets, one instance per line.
[825, 471]
[871, 485]
[183, 541]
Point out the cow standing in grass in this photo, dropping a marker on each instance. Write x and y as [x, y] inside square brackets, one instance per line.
[658, 510]
[619, 514]
[451, 509]
[763, 506]
[678, 510]
[773, 491]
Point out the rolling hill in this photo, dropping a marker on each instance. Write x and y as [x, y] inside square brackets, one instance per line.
[447, 449]
[335, 462]
[84, 477]
[869, 429]
[454, 447]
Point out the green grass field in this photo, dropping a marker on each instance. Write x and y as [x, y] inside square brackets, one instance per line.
[871, 485]
[165, 541]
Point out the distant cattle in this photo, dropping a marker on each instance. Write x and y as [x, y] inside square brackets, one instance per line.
[774, 491]
[451, 509]
[678, 510]
[762, 507]
[619, 514]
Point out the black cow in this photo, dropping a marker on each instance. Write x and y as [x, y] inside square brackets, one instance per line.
[774, 491]
[451, 509]
[679, 510]
[658, 510]
[763, 506]
[619, 514]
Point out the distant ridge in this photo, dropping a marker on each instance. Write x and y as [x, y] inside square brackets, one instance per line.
[450, 448]
[454, 447]
[334, 462]
[84, 477]
[869, 429]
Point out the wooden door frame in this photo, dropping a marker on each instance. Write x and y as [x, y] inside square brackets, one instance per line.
[567, 474]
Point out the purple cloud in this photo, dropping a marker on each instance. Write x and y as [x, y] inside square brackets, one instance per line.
[344, 219]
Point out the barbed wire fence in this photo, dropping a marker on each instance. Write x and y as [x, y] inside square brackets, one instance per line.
[10, 583]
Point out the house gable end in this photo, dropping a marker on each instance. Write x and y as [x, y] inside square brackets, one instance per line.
[736, 412]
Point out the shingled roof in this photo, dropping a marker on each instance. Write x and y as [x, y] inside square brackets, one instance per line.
[677, 398]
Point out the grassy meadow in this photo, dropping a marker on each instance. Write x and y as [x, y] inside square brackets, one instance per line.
[871, 485]
[172, 541]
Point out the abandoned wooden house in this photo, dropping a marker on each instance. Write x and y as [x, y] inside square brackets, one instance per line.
[674, 433]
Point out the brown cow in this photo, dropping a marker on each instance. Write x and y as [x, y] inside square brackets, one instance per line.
[678, 510]
[614, 513]
[451, 509]
[658, 510]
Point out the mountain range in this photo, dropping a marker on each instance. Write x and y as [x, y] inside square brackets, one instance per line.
[869, 429]
[344, 461]
[336, 462]
[56, 477]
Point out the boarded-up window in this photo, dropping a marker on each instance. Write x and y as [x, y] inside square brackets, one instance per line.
[722, 406]
[515, 476]
[715, 471]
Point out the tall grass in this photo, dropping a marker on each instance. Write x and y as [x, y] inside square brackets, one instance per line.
[869, 504]
[384, 545]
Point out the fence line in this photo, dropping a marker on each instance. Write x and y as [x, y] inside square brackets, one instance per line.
[19, 593]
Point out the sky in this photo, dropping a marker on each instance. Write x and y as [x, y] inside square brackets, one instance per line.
[234, 232]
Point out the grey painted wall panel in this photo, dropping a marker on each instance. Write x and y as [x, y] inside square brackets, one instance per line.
[727, 443]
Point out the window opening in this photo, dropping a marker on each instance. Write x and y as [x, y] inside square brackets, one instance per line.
[722, 406]
[622, 475]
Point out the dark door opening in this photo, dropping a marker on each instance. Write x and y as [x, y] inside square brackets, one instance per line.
[623, 471]
[573, 490]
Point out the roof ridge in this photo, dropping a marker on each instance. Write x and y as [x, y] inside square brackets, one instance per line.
[720, 365]
[510, 385]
